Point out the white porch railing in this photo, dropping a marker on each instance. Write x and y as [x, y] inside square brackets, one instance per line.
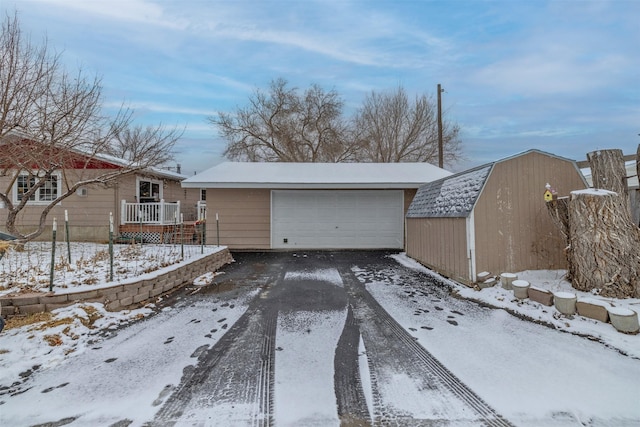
[162, 213]
[201, 207]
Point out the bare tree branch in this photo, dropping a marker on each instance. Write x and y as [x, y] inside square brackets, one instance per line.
[393, 129]
[51, 122]
[286, 125]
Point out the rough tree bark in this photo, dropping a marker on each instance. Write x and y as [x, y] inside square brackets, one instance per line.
[609, 173]
[602, 240]
[603, 245]
[559, 211]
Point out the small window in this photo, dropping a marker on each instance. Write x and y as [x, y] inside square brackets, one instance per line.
[149, 191]
[203, 194]
[48, 192]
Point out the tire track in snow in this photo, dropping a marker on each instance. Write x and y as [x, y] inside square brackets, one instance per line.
[352, 405]
[234, 377]
[386, 341]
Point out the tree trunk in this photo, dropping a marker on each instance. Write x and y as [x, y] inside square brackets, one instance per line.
[603, 245]
[609, 173]
[559, 211]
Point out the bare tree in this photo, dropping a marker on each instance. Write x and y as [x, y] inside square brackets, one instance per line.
[148, 144]
[393, 129]
[288, 126]
[51, 127]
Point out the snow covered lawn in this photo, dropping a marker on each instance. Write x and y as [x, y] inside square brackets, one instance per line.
[551, 280]
[29, 270]
[44, 340]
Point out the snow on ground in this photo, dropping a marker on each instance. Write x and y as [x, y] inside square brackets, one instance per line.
[305, 346]
[305, 343]
[330, 275]
[68, 332]
[130, 384]
[50, 339]
[552, 280]
[532, 375]
[29, 270]
[563, 381]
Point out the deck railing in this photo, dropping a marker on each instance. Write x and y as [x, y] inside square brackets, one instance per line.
[162, 213]
[201, 207]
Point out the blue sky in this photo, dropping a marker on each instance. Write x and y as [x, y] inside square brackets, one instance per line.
[560, 76]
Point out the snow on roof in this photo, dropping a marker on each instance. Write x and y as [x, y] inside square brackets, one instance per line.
[316, 175]
[116, 161]
[456, 195]
[453, 196]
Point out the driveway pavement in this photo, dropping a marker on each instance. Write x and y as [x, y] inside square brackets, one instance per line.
[328, 339]
[242, 369]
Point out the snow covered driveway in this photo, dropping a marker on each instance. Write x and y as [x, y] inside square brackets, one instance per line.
[330, 338]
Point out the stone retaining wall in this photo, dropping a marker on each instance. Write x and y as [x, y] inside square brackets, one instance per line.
[118, 297]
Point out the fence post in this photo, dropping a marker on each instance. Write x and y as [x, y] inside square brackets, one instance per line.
[66, 230]
[181, 236]
[53, 255]
[111, 246]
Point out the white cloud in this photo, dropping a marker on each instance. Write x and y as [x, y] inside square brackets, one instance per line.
[163, 108]
[139, 11]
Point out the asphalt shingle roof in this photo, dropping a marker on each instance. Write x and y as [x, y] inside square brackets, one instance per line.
[453, 196]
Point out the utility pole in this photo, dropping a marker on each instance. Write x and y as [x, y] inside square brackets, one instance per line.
[440, 144]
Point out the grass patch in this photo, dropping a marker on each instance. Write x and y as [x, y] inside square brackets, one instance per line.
[29, 319]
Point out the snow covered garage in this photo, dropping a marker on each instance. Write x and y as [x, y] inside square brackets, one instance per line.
[492, 217]
[310, 205]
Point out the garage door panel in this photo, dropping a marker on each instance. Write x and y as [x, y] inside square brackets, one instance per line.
[335, 219]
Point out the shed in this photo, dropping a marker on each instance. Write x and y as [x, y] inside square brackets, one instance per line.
[310, 205]
[492, 217]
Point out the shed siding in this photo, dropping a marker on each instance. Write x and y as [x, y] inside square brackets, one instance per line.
[513, 230]
[439, 243]
[244, 217]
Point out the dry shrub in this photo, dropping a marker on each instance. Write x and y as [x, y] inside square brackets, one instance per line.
[93, 315]
[52, 323]
[100, 256]
[4, 246]
[90, 281]
[18, 321]
[53, 340]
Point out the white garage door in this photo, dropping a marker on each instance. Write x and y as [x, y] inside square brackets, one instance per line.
[349, 219]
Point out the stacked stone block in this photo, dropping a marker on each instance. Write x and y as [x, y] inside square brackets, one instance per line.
[118, 297]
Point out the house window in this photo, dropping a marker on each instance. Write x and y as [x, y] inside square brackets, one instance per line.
[149, 191]
[203, 194]
[49, 191]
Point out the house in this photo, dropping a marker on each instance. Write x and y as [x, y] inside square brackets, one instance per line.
[145, 204]
[492, 218]
[310, 205]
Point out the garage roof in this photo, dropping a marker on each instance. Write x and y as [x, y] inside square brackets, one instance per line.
[316, 175]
